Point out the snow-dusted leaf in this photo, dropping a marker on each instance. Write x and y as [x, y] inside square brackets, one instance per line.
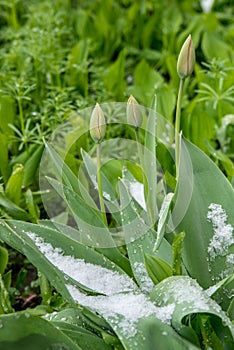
[63, 259]
[150, 163]
[188, 298]
[60, 168]
[108, 191]
[163, 219]
[93, 231]
[208, 222]
[133, 316]
[72, 323]
[139, 239]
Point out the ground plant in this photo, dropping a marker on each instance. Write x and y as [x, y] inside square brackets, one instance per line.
[116, 164]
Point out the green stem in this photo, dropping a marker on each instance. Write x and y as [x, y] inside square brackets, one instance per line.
[14, 18]
[139, 148]
[150, 208]
[177, 127]
[21, 115]
[99, 181]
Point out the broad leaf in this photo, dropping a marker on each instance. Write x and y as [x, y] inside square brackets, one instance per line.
[138, 322]
[139, 239]
[72, 323]
[188, 298]
[20, 331]
[64, 260]
[208, 221]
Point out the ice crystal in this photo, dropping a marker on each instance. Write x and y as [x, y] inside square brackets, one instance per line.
[146, 283]
[95, 277]
[123, 310]
[223, 232]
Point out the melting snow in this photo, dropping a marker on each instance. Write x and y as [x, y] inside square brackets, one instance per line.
[137, 191]
[123, 310]
[223, 232]
[206, 5]
[121, 304]
[95, 277]
[184, 291]
[146, 284]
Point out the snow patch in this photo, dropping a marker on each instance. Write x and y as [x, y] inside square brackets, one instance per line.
[146, 284]
[123, 310]
[206, 5]
[95, 277]
[223, 232]
[137, 191]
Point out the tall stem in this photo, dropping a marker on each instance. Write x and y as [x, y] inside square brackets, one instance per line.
[21, 115]
[177, 127]
[139, 148]
[99, 181]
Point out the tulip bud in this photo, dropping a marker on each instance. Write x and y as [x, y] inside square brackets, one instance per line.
[186, 59]
[97, 124]
[134, 114]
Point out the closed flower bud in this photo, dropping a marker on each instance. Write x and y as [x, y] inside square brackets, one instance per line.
[97, 124]
[134, 114]
[186, 59]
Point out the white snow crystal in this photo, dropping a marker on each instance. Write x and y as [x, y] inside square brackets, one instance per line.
[137, 191]
[122, 303]
[95, 277]
[206, 5]
[223, 232]
[125, 310]
[146, 284]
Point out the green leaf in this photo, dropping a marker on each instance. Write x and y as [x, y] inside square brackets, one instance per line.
[5, 304]
[92, 172]
[191, 125]
[3, 259]
[78, 66]
[7, 114]
[158, 269]
[114, 78]
[129, 314]
[20, 331]
[223, 158]
[93, 232]
[209, 188]
[177, 253]
[13, 210]
[139, 239]
[45, 288]
[163, 219]
[4, 162]
[31, 166]
[31, 205]
[14, 185]
[62, 171]
[188, 298]
[166, 101]
[35, 240]
[155, 333]
[145, 89]
[150, 163]
[213, 46]
[72, 323]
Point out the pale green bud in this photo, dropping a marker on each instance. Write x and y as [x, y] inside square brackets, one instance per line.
[134, 114]
[97, 124]
[186, 59]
